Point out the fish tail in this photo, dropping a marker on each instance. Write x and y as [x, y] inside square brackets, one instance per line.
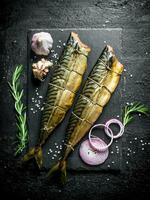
[35, 152]
[59, 167]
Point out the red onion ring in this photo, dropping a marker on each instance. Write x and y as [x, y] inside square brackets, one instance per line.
[104, 148]
[114, 121]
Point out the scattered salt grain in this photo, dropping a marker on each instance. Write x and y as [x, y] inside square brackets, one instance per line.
[135, 138]
[130, 142]
[107, 21]
[104, 41]
[127, 162]
[108, 166]
[113, 162]
[111, 152]
[125, 70]
[142, 149]
[131, 75]
[107, 179]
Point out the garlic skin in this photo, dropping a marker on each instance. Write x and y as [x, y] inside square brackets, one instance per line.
[42, 43]
[41, 68]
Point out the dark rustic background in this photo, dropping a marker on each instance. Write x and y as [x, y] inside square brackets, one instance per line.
[16, 17]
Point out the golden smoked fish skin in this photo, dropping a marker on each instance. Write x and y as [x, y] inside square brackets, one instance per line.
[61, 91]
[97, 91]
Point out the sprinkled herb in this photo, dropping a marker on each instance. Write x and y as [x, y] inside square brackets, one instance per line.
[131, 109]
[17, 93]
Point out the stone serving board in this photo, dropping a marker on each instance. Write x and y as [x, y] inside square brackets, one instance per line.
[96, 39]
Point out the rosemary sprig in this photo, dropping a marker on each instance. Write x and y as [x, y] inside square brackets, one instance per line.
[131, 109]
[17, 93]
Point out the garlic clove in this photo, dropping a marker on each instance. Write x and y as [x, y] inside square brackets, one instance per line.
[41, 68]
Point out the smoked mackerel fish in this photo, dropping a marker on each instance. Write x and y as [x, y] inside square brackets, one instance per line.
[97, 91]
[61, 91]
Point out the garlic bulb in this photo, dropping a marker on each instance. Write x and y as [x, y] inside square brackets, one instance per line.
[41, 68]
[42, 43]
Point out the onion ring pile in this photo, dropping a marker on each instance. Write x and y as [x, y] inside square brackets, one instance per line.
[108, 132]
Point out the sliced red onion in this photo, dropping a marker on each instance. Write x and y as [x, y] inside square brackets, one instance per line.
[89, 155]
[104, 147]
[114, 121]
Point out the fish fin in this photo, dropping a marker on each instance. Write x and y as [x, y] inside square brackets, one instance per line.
[59, 167]
[35, 152]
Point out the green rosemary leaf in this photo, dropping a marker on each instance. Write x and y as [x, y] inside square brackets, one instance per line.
[17, 93]
[134, 108]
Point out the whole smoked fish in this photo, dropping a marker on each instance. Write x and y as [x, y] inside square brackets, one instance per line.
[61, 91]
[96, 93]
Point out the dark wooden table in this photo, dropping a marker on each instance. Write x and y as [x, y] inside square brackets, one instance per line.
[133, 17]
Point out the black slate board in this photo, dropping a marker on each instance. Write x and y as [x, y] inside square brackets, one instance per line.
[96, 39]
